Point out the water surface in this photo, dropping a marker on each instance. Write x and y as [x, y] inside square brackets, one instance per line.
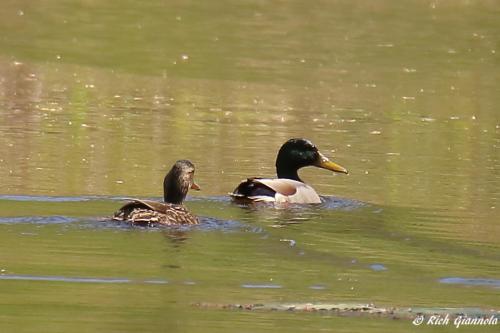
[98, 99]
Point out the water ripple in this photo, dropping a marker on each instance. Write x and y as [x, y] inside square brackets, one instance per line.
[38, 219]
[64, 279]
[261, 286]
[41, 198]
[206, 224]
[44, 198]
[471, 281]
[336, 203]
[378, 267]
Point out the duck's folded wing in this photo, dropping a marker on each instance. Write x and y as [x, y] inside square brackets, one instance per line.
[154, 211]
[284, 187]
[126, 209]
[159, 207]
[252, 188]
[278, 190]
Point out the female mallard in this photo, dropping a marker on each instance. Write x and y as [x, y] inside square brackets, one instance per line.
[176, 184]
[288, 187]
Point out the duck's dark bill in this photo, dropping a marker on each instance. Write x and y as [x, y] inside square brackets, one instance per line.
[325, 163]
[195, 186]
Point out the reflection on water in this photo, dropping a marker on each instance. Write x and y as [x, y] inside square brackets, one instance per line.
[44, 198]
[261, 286]
[472, 282]
[98, 99]
[63, 279]
[38, 219]
[378, 267]
[355, 252]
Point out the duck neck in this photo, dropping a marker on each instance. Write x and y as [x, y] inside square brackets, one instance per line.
[285, 171]
[174, 191]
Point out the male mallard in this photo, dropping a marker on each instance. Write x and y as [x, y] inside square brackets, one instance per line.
[288, 187]
[176, 184]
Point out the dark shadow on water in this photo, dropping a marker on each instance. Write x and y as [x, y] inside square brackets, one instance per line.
[286, 214]
[333, 216]
[336, 203]
[206, 224]
[327, 202]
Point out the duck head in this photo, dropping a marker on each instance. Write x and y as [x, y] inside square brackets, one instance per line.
[298, 153]
[178, 181]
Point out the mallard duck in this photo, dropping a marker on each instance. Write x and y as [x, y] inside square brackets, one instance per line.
[176, 184]
[288, 187]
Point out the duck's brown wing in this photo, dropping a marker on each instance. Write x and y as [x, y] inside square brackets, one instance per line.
[277, 190]
[177, 214]
[125, 210]
[152, 212]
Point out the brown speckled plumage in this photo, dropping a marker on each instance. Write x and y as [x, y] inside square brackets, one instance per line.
[172, 211]
[145, 212]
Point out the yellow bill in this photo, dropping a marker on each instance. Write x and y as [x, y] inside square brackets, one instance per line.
[324, 163]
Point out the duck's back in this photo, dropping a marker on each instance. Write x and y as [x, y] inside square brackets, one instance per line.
[278, 190]
[147, 212]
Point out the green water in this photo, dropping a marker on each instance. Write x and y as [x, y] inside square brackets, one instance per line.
[99, 98]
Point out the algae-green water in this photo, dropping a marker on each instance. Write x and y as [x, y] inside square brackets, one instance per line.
[99, 98]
